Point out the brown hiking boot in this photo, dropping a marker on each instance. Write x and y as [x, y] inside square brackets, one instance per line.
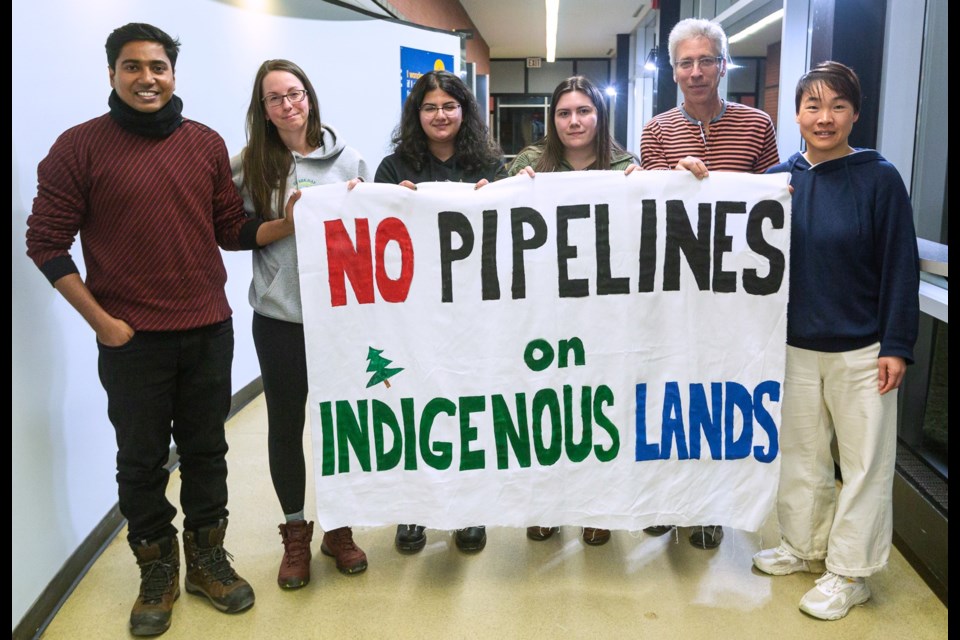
[339, 544]
[159, 585]
[295, 566]
[209, 572]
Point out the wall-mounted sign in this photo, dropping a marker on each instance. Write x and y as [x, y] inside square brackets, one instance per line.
[416, 62]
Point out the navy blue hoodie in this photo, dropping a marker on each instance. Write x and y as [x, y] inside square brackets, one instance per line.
[854, 266]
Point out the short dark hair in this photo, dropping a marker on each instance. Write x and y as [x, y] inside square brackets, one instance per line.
[840, 79]
[137, 31]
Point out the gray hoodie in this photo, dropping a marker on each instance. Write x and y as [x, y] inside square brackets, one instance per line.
[275, 289]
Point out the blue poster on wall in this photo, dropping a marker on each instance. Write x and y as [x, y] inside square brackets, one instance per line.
[416, 62]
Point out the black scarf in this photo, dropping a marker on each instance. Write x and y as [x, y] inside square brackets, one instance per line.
[158, 124]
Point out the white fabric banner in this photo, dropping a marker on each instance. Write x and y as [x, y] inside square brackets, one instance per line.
[582, 348]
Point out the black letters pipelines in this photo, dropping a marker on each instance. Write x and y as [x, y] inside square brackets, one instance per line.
[702, 249]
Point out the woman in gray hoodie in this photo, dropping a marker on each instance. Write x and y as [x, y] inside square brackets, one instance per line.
[289, 149]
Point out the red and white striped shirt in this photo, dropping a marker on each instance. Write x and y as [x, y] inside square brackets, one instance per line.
[740, 139]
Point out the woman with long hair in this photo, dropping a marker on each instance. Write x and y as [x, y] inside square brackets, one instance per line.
[442, 137]
[578, 138]
[289, 149]
[578, 135]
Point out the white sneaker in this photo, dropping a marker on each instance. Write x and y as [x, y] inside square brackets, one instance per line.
[834, 596]
[780, 562]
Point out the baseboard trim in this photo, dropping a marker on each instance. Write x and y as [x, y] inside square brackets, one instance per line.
[245, 396]
[35, 621]
[48, 603]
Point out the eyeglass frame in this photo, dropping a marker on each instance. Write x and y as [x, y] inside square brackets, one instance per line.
[432, 110]
[698, 62]
[266, 99]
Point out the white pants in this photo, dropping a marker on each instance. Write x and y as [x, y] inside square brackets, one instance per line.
[827, 394]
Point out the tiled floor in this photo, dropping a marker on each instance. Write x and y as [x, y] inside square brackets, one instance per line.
[636, 586]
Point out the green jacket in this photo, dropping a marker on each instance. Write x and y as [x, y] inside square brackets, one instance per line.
[528, 157]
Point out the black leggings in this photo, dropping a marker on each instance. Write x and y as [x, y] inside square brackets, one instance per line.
[283, 366]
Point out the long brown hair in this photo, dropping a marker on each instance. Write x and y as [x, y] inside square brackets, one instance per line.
[266, 160]
[552, 157]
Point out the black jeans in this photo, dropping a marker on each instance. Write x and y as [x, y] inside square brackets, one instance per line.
[162, 384]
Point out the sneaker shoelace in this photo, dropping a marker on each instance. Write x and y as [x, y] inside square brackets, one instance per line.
[831, 582]
[783, 554]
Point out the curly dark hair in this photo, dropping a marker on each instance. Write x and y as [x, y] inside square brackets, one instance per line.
[475, 149]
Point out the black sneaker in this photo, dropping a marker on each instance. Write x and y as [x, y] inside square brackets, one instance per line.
[471, 539]
[707, 536]
[658, 529]
[410, 538]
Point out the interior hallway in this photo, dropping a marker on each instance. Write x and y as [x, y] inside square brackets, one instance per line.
[635, 586]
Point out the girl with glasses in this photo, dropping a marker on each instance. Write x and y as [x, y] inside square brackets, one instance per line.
[442, 137]
[289, 149]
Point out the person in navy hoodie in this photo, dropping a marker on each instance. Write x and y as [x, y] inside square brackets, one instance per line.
[852, 320]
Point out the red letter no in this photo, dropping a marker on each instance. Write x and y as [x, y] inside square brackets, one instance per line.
[346, 261]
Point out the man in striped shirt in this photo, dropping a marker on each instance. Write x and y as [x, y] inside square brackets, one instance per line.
[706, 133]
[152, 197]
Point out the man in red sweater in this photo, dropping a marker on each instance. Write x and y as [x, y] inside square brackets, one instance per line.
[150, 194]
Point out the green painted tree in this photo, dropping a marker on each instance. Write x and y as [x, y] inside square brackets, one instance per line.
[378, 366]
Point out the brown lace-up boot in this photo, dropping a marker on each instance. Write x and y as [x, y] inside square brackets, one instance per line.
[209, 572]
[339, 544]
[295, 566]
[159, 585]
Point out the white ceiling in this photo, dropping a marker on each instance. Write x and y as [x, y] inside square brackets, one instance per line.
[586, 29]
[517, 28]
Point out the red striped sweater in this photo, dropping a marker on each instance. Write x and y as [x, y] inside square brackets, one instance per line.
[741, 139]
[150, 214]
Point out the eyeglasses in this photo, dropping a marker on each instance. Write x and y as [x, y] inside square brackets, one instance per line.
[293, 97]
[705, 64]
[431, 109]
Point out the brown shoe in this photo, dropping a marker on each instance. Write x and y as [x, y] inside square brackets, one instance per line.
[339, 545]
[209, 572]
[295, 566]
[541, 533]
[159, 585]
[596, 537]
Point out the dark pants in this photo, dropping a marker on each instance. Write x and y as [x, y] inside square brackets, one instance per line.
[283, 366]
[165, 383]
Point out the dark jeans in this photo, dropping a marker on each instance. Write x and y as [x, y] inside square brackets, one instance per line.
[283, 366]
[163, 384]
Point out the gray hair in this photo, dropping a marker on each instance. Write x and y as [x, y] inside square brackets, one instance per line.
[693, 28]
